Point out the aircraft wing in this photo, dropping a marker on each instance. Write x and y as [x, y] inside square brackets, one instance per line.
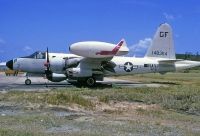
[97, 64]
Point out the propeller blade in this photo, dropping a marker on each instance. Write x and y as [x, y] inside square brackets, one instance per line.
[48, 71]
[47, 64]
[47, 55]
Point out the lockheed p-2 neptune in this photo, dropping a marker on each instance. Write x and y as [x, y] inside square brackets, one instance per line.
[91, 61]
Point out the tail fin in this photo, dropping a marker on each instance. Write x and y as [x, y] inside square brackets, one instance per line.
[162, 44]
[124, 49]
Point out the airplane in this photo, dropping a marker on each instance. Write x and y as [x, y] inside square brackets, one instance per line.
[91, 61]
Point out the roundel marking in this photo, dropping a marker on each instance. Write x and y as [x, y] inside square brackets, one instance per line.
[128, 66]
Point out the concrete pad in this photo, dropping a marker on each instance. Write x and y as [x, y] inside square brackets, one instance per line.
[9, 83]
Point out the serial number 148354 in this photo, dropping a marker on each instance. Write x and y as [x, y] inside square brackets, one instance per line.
[159, 53]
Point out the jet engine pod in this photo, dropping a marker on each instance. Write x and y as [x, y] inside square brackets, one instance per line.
[77, 72]
[54, 77]
[93, 49]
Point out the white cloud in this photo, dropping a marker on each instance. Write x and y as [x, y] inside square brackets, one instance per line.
[27, 48]
[140, 48]
[168, 17]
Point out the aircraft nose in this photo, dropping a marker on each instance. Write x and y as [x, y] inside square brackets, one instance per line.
[9, 64]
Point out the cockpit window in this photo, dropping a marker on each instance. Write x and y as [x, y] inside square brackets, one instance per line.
[40, 55]
[15, 60]
[37, 55]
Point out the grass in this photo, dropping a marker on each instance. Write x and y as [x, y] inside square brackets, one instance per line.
[177, 107]
[182, 95]
[56, 97]
[150, 112]
[191, 78]
[10, 132]
[181, 98]
[63, 97]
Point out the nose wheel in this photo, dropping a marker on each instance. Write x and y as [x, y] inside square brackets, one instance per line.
[28, 82]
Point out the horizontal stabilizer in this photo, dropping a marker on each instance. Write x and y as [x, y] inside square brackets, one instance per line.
[171, 61]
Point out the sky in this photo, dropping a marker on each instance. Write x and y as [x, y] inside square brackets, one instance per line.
[27, 26]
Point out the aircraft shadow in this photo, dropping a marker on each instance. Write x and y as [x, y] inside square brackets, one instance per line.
[167, 83]
[99, 85]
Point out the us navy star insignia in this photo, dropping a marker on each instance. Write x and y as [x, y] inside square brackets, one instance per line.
[128, 66]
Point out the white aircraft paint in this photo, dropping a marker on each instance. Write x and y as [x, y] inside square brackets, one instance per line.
[98, 59]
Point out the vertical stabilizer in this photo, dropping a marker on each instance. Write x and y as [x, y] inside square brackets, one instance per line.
[123, 50]
[162, 44]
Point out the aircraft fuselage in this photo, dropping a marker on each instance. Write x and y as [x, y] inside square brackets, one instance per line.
[124, 65]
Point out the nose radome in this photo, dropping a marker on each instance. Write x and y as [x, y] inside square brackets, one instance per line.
[9, 64]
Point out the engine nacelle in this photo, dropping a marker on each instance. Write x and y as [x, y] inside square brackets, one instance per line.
[57, 65]
[92, 49]
[77, 72]
[54, 77]
[73, 62]
[109, 66]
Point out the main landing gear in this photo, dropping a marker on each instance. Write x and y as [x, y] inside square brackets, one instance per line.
[89, 81]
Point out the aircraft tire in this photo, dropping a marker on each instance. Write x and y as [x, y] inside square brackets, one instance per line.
[90, 81]
[28, 82]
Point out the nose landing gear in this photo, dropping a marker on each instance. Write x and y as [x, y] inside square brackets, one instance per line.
[28, 81]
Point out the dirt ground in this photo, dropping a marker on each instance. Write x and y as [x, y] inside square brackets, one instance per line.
[113, 118]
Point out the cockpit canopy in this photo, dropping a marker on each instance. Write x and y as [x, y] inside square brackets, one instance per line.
[37, 55]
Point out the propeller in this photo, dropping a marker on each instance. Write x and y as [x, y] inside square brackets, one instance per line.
[54, 77]
[48, 71]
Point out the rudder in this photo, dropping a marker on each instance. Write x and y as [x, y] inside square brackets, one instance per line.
[162, 44]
